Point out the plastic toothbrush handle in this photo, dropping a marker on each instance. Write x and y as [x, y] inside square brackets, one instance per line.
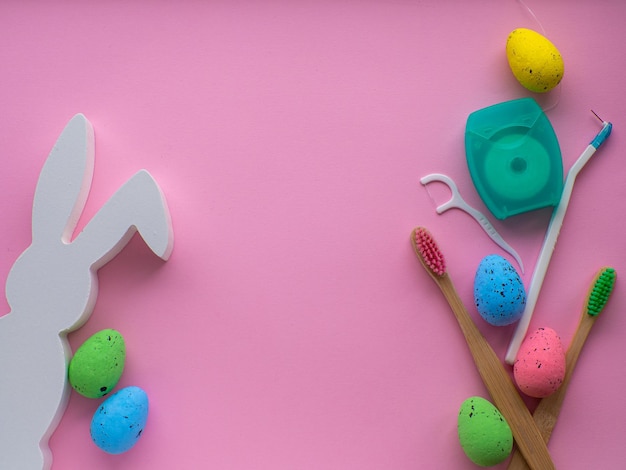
[549, 243]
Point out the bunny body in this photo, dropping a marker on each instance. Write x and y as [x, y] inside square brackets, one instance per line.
[30, 400]
[52, 288]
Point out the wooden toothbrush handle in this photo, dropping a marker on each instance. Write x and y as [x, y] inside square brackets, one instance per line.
[548, 410]
[529, 440]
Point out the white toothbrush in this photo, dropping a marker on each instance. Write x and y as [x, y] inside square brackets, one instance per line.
[550, 240]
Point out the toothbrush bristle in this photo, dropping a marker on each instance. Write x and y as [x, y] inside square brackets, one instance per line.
[601, 291]
[429, 251]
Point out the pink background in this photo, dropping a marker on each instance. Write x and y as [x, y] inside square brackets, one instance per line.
[293, 327]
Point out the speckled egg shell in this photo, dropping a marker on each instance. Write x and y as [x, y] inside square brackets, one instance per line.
[98, 364]
[119, 421]
[499, 294]
[484, 434]
[539, 368]
[535, 62]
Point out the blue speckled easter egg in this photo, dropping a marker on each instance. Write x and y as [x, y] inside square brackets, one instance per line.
[119, 421]
[499, 293]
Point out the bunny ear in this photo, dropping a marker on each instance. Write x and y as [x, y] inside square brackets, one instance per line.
[138, 206]
[64, 182]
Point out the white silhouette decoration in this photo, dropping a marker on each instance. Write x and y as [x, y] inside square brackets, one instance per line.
[52, 288]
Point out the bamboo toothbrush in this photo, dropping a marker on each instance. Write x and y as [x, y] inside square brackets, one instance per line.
[496, 379]
[547, 411]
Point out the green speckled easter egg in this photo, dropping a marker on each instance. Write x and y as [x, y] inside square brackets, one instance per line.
[484, 434]
[98, 364]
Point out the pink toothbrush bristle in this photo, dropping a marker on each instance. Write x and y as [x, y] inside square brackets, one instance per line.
[429, 251]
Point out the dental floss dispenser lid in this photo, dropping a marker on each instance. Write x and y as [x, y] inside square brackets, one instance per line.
[514, 157]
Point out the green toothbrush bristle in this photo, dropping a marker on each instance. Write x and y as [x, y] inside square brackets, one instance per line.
[601, 291]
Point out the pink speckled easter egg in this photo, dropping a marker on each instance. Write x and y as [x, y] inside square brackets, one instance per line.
[540, 365]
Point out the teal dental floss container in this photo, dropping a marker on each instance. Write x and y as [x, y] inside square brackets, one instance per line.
[514, 157]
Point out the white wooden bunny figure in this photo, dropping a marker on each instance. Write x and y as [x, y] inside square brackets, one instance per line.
[52, 288]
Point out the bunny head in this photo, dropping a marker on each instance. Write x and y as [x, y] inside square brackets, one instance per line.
[52, 287]
[55, 278]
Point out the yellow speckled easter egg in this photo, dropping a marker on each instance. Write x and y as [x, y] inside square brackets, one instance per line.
[534, 60]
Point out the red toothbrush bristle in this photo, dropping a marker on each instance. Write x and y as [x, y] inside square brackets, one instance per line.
[429, 251]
